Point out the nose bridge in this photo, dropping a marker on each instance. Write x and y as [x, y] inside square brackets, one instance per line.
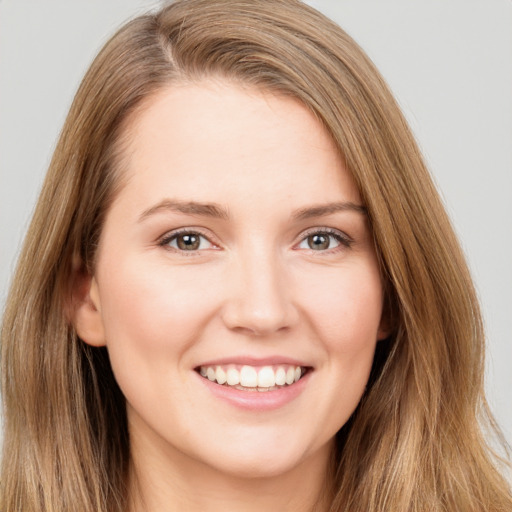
[259, 301]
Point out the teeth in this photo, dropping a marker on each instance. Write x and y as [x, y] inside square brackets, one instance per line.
[220, 375]
[280, 376]
[248, 377]
[265, 378]
[233, 377]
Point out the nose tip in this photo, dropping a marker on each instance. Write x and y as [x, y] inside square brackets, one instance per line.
[257, 321]
[259, 302]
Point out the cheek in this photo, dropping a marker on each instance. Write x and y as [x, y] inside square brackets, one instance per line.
[346, 307]
[152, 315]
[151, 308]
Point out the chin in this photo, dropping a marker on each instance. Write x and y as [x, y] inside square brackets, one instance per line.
[267, 458]
[257, 467]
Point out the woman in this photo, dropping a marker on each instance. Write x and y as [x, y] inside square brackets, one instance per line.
[240, 288]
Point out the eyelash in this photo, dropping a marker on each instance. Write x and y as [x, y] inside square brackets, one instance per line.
[170, 237]
[344, 241]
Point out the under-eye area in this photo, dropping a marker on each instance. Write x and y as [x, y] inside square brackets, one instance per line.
[254, 378]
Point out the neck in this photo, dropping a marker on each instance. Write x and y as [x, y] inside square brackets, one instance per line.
[159, 483]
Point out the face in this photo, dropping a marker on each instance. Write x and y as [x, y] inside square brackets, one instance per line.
[236, 286]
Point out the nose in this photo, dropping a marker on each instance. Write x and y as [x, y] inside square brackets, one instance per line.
[260, 298]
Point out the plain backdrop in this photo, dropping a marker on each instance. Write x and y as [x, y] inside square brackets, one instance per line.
[449, 63]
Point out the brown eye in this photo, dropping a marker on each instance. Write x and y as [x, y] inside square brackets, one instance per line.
[324, 241]
[319, 241]
[188, 241]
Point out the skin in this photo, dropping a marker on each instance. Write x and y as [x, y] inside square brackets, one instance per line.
[254, 288]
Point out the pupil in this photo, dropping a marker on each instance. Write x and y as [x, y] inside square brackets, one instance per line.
[318, 242]
[188, 242]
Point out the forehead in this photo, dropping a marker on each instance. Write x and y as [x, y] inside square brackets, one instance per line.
[207, 140]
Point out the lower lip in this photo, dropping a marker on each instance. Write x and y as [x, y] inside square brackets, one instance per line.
[257, 400]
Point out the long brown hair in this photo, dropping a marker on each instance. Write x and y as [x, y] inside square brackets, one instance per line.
[417, 439]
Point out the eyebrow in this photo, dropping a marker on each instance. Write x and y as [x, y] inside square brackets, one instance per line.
[187, 208]
[218, 212]
[328, 209]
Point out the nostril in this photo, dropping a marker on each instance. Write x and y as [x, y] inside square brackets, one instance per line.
[243, 319]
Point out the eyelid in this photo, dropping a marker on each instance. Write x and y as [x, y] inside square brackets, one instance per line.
[344, 240]
[166, 238]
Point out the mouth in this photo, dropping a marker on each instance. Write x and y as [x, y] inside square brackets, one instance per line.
[253, 378]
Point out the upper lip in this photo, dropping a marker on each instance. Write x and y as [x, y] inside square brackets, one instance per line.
[255, 361]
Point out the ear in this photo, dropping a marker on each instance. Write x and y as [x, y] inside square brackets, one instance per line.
[86, 309]
[387, 322]
[385, 330]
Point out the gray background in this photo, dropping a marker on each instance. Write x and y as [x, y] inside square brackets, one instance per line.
[449, 62]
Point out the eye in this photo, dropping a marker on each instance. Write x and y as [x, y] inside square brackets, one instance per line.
[324, 240]
[187, 241]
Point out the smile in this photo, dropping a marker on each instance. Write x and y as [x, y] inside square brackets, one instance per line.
[253, 378]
